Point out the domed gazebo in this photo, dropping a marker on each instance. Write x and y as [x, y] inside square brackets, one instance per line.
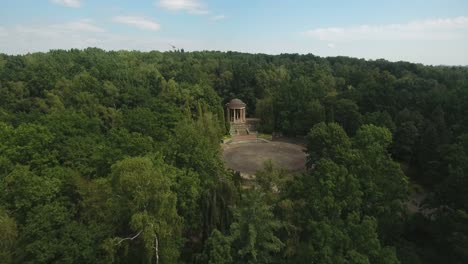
[236, 111]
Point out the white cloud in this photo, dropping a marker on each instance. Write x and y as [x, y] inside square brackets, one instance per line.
[74, 34]
[431, 29]
[68, 3]
[139, 22]
[218, 17]
[55, 30]
[22, 39]
[3, 32]
[190, 6]
[85, 25]
[331, 45]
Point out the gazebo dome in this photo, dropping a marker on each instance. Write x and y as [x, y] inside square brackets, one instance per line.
[235, 103]
[236, 111]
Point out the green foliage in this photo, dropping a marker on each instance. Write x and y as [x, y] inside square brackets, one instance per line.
[195, 145]
[327, 141]
[28, 144]
[381, 179]
[188, 190]
[406, 138]
[353, 188]
[450, 191]
[329, 205]
[382, 119]
[24, 190]
[8, 236]
[51, 234]
[346, 113]
[146, 122]
[217, 249]
[105, 156]
[270, 178]
[143, 186]
[253, 230]
[350, 241]
[373, 138]
[265, 111]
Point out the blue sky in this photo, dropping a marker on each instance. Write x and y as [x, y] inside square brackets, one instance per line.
[429, 32]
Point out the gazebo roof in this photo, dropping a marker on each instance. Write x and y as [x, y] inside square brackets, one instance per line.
[235, 103]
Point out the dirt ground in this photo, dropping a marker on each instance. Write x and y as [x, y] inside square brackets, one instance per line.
[250, 157]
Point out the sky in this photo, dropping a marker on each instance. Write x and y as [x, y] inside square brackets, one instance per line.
[433, 32]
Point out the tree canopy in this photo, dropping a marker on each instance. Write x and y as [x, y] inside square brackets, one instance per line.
[114, 157]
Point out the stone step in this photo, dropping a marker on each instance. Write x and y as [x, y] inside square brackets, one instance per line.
[244, 138]
[242, 128]
[242, 132]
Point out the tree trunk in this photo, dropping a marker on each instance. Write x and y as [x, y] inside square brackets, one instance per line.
[156, 248]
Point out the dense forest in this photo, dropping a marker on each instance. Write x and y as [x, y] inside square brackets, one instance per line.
[114, 157]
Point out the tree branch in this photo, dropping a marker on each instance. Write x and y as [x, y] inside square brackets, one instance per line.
[129, 238]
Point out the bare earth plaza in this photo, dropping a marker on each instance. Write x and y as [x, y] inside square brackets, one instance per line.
[246, 153]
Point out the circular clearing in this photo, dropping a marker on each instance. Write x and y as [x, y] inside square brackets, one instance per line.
[251, 157]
